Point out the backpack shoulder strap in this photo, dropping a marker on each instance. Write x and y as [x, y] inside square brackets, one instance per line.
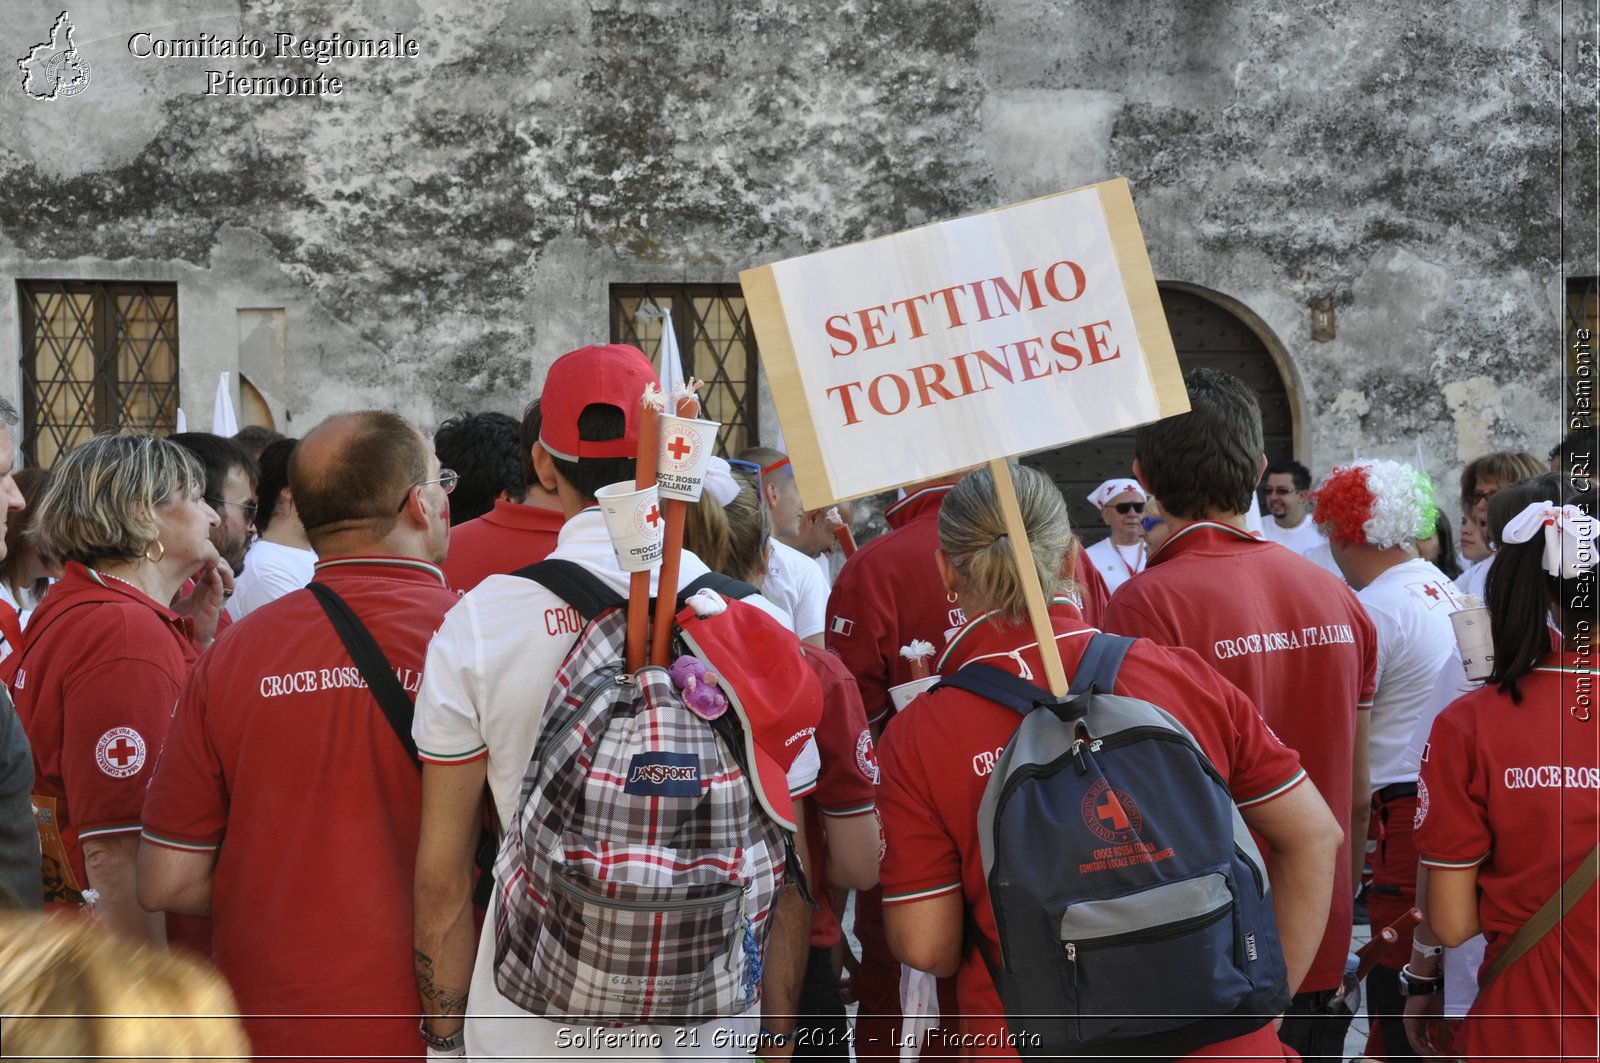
[726, 586]
[1100, 663]
[374, 666]
[575, 585]
[1098, 668]
[1000, 687]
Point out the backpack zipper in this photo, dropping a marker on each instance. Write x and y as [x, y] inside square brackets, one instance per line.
[565, 884]
[1164, 932]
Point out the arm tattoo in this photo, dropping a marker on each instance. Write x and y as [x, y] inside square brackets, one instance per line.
[448, 1000]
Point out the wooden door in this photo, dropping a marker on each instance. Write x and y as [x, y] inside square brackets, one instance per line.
[1205, 334]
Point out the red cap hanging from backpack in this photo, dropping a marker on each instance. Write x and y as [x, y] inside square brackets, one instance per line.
[776, 695]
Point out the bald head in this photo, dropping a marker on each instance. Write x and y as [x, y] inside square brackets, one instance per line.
[353, 470]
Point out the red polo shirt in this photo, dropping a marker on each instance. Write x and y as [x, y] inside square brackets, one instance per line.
[1092, 590]
[281, 762]
[508, 537]
[1514, 791]
[1293, 638]
[846, 784]
[888, 594]
[939, 752]
[101, 667]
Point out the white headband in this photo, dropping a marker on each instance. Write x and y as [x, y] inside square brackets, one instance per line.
[1111, 489]
[1569, 536]
[720, 482]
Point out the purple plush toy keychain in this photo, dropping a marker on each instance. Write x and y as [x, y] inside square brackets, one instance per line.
[699, 687]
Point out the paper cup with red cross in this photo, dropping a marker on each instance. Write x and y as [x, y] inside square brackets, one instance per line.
[686, 446]
[634, 522]
[1476, 642]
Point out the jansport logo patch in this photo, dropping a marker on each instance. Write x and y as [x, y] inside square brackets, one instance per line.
[663, 775]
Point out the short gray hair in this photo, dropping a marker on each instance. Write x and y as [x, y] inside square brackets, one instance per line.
[101, 502]
[8, 414]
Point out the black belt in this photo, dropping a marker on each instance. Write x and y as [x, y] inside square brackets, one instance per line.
[1396, 790]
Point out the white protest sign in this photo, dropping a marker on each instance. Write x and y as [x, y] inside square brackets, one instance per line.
[945, 347]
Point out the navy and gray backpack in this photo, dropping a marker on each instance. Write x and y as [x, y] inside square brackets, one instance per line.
[1133, 910]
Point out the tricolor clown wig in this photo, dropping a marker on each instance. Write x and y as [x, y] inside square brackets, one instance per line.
[1380, 503]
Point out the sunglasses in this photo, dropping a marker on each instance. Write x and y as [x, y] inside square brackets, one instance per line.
[1129, 507]
[1150, 522]
[1278, 490]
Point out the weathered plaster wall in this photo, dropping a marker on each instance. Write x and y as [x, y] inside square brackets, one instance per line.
[449, 224]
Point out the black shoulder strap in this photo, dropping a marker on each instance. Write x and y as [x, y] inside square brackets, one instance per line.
[726, 586]
[999, 686]
[374, 666]
[575, 585]
[1101, 661]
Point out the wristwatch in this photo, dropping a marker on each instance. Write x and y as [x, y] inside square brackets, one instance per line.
[1412, 985]
[452, 1043]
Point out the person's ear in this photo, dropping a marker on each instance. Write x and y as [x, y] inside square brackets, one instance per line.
[544, 467]
[1262, 470]
[947, 571]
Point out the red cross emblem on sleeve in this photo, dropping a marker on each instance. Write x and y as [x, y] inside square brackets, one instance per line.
[120, 752]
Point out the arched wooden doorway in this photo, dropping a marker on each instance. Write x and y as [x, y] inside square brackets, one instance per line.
[1208, 329]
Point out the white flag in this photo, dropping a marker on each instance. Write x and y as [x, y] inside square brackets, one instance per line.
[183, 422]
[223, 421]
[672, 381]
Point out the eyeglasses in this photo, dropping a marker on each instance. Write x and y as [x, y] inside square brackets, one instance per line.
[1129, 507]
[1149, 523]
[1484, 496]
[247, 508]
[446, 480]
[1280, 490]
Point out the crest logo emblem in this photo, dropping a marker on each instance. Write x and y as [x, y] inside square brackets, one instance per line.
[55, 68]
[1112, 814]
[120, 752]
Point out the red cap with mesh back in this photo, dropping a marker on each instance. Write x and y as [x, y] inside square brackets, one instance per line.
[613, 375]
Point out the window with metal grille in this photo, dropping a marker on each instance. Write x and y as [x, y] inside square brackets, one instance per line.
[1583, 333]
[715, 341]
[96, 357]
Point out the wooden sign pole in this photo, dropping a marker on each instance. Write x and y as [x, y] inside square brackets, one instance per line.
[1038, 608]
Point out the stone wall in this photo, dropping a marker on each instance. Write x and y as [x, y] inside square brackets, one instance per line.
[433, 236]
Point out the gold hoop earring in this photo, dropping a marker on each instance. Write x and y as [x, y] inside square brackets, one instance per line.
[951, 596]
[161, 551]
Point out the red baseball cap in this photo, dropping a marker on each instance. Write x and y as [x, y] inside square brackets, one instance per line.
[768, 683]
[613, 375]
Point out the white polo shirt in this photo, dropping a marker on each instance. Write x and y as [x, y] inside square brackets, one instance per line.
[489, 672]
[1410, 606]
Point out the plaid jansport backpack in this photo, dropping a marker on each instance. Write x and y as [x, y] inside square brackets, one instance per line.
[1131, 902]
[636, 885]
